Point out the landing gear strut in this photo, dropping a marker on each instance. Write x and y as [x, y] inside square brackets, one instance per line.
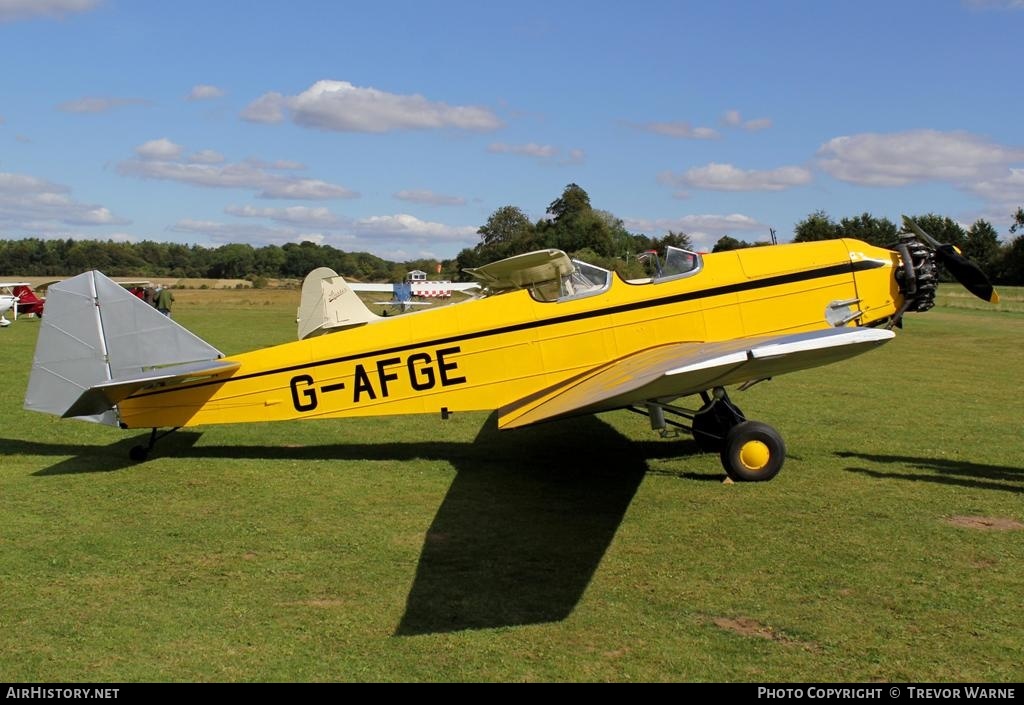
[714, 420]
[750, 451]
[140, 453]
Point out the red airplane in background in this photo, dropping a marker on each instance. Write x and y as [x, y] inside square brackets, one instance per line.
[19, 297]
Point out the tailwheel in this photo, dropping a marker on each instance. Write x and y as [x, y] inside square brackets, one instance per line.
[753, 452]
[140, 453]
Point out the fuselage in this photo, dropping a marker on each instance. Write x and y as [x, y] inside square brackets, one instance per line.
[485, 353]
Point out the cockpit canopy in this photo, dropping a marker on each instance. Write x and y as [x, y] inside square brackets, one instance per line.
[550, 275]
[583, 280]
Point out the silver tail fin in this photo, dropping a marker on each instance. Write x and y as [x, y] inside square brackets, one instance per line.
[328, 304]
[99, 343]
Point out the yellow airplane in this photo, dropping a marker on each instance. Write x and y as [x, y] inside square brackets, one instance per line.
[548, 338]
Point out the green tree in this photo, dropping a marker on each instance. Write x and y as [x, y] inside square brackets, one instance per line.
[233, 261]
[269, 260]
[982, 246]
[942, 228]
[1011, 262]
[874, 231]
[573, 203]
[672, 239]
[1018, 221]
[817, 226]
[505, 226]
[727, 242]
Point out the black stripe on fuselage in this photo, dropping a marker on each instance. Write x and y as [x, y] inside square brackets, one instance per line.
[830, 271]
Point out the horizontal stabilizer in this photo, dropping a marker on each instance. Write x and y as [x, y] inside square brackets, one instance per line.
[679, 369]
[103, 396]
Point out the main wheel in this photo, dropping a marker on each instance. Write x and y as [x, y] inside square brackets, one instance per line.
[753, 452]
[138, 454]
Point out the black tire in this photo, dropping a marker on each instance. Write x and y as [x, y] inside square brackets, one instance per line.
[139, 454]
[753, 452]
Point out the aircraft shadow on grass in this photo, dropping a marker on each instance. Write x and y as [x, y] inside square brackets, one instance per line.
[946, 472]
[520, 532]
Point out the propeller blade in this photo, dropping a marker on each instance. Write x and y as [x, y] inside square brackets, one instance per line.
[963, 270]
[967, 273]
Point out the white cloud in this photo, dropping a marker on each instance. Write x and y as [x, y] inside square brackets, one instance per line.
[396, 226]
[403, 225]
[679, 129]
[293, 215]
[757, 124]
[304, 189]
[1005, 192]
[733, 118]
[206, 156]
[726, 177]
[702, 229]
[159, 150]
[97, 104]
[268, 108]
[429, 198]
[31, 204]
[382, 235]
[901, 158]
[11, 10]
[576, 156]
[203, 91]
[283, 164]
[237, 232]
[342, 107]
[244, 175]
[540, 152]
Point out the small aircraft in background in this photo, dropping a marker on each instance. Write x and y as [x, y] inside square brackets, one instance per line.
[548, 338]
[20, 298]
[416, 290]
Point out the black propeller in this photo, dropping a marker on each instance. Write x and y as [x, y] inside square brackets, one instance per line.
[963, 270]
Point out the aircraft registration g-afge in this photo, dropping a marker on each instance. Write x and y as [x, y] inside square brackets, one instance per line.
[548, 338]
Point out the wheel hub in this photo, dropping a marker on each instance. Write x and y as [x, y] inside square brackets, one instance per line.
[754, 455]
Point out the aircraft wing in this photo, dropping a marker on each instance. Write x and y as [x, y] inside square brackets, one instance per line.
[402, 303]
[679, 369]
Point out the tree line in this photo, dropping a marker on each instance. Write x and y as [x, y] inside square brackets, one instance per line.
[37, 257]
[570, 223]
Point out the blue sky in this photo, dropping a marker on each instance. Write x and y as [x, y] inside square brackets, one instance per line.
[398, 127]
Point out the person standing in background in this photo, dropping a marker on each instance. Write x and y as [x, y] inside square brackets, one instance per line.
[164, 300]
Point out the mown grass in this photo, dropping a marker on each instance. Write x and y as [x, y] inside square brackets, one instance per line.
[416, 549]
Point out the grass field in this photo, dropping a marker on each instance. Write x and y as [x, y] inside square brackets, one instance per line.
[418, 549]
